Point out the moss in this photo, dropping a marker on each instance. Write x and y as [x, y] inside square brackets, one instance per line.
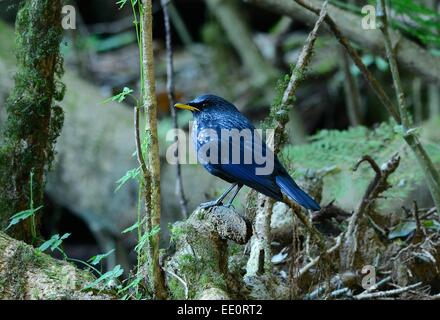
[176, 289]
[15, 280]
[176, 232]
[33, 122]
[278, 113]
[200, 258]
[335, 152]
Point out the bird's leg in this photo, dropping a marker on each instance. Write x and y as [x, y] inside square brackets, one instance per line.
[229, 204]
[219, 201]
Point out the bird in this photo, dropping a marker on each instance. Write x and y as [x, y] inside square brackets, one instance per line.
[212, 117]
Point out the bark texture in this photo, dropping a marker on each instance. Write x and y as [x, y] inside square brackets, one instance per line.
[153, 162]
[33, 122]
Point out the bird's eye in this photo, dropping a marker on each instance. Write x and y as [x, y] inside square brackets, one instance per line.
[204, 104]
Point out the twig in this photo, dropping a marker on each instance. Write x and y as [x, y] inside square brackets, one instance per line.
[372, 81]
[376, 286]
[351, 91]
[378, 185]
[431, 173]
[382, 14]
[185, 286]
[312, 263]
[171, 100]
[295, 79]
[382, 294]
[279, 119]
[420, 231]
[372, 163]
[340, 292]
[429, 213]
[144, 169]
[436, 297]
[306, 221]
[297, 76]
[412, 246]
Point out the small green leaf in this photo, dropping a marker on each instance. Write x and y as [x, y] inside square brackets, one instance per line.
[130, 174]
[431, 224]
[143, 240]
[22, 215]
[54, 242]
[132, 284]
[107, 277]
[97, 259]
[120, 96]
[131, 228]
[48, 243]
[121, 3]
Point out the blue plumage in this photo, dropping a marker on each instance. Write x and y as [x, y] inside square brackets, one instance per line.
[212, 117]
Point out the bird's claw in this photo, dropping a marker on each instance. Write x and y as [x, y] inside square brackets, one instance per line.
[210, 204]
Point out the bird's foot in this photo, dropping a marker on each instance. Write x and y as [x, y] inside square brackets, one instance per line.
[229, 206]
[210, 204]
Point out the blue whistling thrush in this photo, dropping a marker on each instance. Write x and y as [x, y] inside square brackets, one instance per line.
[220, 131]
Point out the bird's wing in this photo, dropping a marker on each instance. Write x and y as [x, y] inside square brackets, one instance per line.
[245, 174]
[254, 167]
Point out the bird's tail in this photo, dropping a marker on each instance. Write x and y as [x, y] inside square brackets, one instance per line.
[293, 191]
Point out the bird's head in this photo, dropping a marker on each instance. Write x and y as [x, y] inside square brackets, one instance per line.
[206, 103]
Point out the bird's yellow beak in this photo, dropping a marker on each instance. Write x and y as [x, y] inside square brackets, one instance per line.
[185, 106]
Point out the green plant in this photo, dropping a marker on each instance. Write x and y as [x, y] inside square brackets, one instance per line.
[29, 213]
[53, 243]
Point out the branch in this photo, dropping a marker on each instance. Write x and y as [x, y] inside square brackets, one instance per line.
[150, 104]
[314, 261]
[171, 100]
[424, 65]
[431, 173]
[383, 294]
[372, 81]
[280, 113]
[351, 91]
[378, 185]
[376, 286]
[260, 257]
[298, 211]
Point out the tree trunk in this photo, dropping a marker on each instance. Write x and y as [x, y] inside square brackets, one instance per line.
[150, 105]
[33, 122]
